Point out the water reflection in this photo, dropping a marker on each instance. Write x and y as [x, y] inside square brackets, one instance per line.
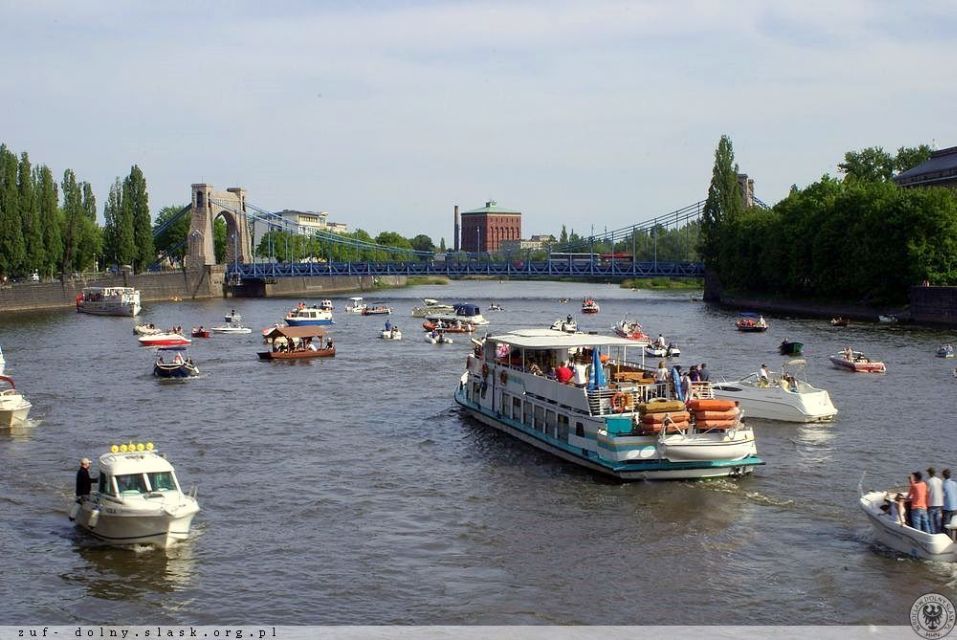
[116, 573]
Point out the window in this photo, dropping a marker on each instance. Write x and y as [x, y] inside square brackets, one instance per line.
[550, 423]
[528, 413]
[161, 481]
[133, 483]
[516, 408]
[579, 430]
[505, 404]
[539, 418]
[105, 486]
[563, 428]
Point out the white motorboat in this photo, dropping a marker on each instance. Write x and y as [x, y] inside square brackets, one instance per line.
[463, 313]
[390, 334]
[671, 351]
[138, 500]
[147, 329]
[437, 337]
[944, 351]
[630, 329]
[890, 532]
[326, 305]
[787, 396]
[568, 325]
[14, 408]
[432, 306]
[357, 305]
[109, 301]
[165, 339]
[618, 429]
[234, 325]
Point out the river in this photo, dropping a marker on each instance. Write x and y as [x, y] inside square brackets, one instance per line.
[352, 490]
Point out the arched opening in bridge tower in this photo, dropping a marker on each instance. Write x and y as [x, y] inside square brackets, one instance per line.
[226, 238]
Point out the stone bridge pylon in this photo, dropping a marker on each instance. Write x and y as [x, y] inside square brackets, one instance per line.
[207, 205]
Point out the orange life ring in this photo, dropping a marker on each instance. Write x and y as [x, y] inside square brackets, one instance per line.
[484, 370]
[503, 376]
[619, 402]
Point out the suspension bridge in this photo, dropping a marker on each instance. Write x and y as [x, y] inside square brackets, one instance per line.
[644, 250]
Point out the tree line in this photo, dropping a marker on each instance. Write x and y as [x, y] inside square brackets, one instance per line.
[50, 228]
[859, 238]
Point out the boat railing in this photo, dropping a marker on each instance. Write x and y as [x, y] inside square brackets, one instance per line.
[702, 390]
[611, 401]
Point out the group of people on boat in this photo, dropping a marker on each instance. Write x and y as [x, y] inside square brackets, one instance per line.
[930, 505]
[287, 345]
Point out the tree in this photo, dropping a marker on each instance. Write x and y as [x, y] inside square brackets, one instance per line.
[136, 205]
[172, 241]
[910, 157]
[118, 231]
[89, 246]
[872, 164]
[49, 219]
[72, 213]
[12, 247]
[563, 237]
[724, 203]
[442, 247]
[219, 240]
[422, 242]
[30, 216]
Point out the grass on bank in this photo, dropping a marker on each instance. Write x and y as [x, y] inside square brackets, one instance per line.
[663, 283]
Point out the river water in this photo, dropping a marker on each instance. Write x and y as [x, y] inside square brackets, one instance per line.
[351, 490]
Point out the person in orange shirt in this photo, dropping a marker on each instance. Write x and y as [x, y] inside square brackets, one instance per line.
[918, 502]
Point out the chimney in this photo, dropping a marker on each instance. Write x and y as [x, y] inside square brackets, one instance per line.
[456, 229]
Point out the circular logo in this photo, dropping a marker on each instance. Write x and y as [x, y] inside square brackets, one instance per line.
[933, 616]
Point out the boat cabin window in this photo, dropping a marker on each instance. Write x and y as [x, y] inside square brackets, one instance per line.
[539, 418]
[105, 485]
[579, 430]
[527, 418]
[551, 424]
[132, 483]
[516, 408]
[563, 428]
[506, 403]
[161, 481]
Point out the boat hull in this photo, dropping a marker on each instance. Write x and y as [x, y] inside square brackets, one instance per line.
[159, 529]
[166, 370]
[14, 414]
[774, 403]
[857, 367]
[297, 322]
[904, 539]
[304, 354]
[167, 340]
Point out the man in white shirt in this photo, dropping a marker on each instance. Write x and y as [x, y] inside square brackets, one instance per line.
[935, 500]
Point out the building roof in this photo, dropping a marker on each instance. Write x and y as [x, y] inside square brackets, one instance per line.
[941, 164]
[552, 339]
[492, 207]
[307, 331]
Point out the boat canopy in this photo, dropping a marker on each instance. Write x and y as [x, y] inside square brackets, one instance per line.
[295, 332]
[140, 462]
[464, 309]
[550, 338]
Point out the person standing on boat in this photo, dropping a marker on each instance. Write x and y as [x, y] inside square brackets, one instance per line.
[83, 481]
[935, 500]
[950, 501]
[764, 378]
[918, 502]
[660, 342]
[703, 373]
[661, 379]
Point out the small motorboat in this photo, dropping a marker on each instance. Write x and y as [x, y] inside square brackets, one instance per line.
[231, 315]
[234, 325]
[178, 365]
[568, 325]
[326, 305]
[14, 408]
[887, 319]
[657, 351]
[379, 310]
[789, 348]
[146, 329]
[839, 321]
[630, 329]
[882, 511]
[945, 351]
[496, 307]
[751, 323]
[786, 396]
[437, 337]
[357, 305]
[448, 327]
[199, 332]
[856, 361]
[431, 306]
[165, 339]
[590, 306]
[673, 350]
[392, 333]
[137, 501]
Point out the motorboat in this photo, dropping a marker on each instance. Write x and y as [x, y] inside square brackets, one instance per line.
[437, 337]
[137, 501]
[945, 351]
[357, 305]
[590, 306]
[392, 333]
[109, 301]
[887, 319]
[165, 339]
[789, 348]
[297, 343]
[452, 326]
[199, 332]
[378, 310]
[568, 325]
[669, 351]
[14, 408]
[174, 362]
[496, 307]
[303, 316]
[619, 429]
[233, 325]
[630, 329]
[881, 509]
[751, 323]
[786, 396]
[326, 305]
[149, 329]
[431, 306]
[839, 321]
[857, 362]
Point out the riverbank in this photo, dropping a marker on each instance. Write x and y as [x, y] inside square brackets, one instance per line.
[663, 284]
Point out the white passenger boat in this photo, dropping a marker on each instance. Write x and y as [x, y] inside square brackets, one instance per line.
[616, 429]
[14, 408]
[357, 305]
[137, 501]
[890, 532]
[431, 306]
[787, 396]
[109, 301]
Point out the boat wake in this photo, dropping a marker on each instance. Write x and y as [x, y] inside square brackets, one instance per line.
[724, 485]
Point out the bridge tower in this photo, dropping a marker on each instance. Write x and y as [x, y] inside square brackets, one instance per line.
[207, 206]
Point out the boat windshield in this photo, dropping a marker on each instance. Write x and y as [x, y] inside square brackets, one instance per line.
[132, 483]
[162, 481]
[105, 486]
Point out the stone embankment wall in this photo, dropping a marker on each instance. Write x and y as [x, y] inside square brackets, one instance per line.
[934, 305]
[191, 284]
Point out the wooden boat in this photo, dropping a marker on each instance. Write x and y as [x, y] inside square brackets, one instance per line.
[199, 332]
[297, 343]
[857, 362]
[751, 323]
[455, 327]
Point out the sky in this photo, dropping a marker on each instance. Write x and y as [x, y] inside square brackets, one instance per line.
[597, 114]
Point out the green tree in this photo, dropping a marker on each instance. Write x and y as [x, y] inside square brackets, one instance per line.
[12, 247]
[172, 241]
[910, 157]
[49, 219]
[563, 237]
[422, 242]
[137, 207]
[872, 164]
[89, 246]
[219, 240]
[442, 247]
[723, 205]
[30, 216]
[72, 215]
[118, 228]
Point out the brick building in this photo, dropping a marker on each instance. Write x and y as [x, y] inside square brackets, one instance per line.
[485, 228]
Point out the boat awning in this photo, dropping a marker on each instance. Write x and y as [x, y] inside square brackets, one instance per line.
[295, 332]
[551, 339]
